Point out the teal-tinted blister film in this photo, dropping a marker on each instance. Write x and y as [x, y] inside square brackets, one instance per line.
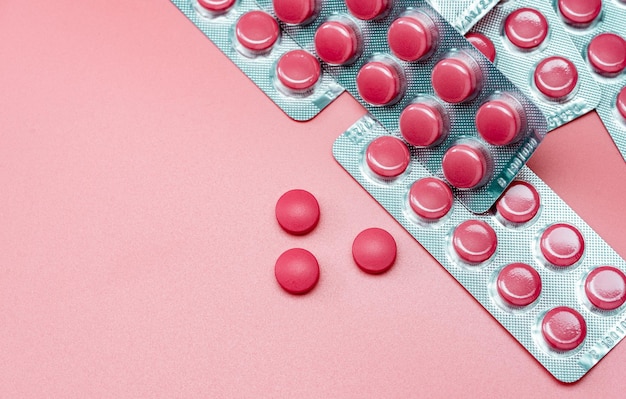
[463, 14]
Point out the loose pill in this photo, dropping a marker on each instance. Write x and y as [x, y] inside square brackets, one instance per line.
[518, 284]
[519, 203]
[465, 166]
[483, 44]
[605, 287]
[297, 212]
[579, 12]
[556, 77]
[562, 244]
[411, 37]
[295, 12]
[526, 28]
[422, 124]
[336, 42]
[499, 122]
[257, 31]
[368, 9]
[297, 271]
[387, 156]
[456, 79]
[216, 6]
[298, 70]
[620, 102]
[563, 328]
[374, 250]
[474, 241]
[430, 198]
[607, 54]
[379, 83]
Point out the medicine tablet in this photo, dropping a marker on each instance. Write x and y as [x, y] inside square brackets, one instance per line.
[526, 28]
[483, 44]
[556, 77]
[295, 12]
[430, 198]
[563, 328]
[474, 241]
[605, 287]
[297, 212]
[379, 83]
[374, 250]
[519, 203]
[562, 244]
[499, 122]
[257, 31]
[422, 124]
[607, 54]
[336, 42]
[456, 79]
[387, 156]
[465, 166]
[411, 37]
[518, 284]
[368, 9]
[297, 271]
[298, 70]
[579, 12]
[216, 6]
[620, 102]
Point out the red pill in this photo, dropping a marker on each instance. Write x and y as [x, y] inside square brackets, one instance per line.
[556, 77]
[379, 83]
[579, 12]
[297, 212]
[605, 287]
[483, 44]
[456, 79]
[499, 121]
[526, 28]
[298, 70]
[474, 241]
[465, 166]
[257, 31]
[519, 203]
[368, 9]
[607, 54]
[422, 124]
[336, 42]
[518, 284]
[430, 198]
[411, 37]
[295, 12]
[620, 102]
[374, 250]
[562, 244]
[563, 328]
[387, 156]
[216, 6]
[297, 271]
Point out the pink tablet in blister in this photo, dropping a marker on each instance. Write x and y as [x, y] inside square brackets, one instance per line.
[337, 41]
[216, 6]
[256, 32]
[483, 44]
[296, 11]
[298, 71]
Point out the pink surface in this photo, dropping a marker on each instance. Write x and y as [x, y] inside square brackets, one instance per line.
[139, 172]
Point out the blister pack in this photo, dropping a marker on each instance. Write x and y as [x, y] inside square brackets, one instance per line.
[417, 75]
[463, 14]
[534, 264]
[252, 39]
[598, 29]
[533, 49]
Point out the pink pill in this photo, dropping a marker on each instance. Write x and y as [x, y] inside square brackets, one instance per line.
[336, 42]
[526, 28]
[298, 70]
[579, 12]
[474, 241]
[456, 79]
[556, 77]
[607, 54]
[411, 37]
[257, 31]
[519, 203]
[368, 9]
[499, 122]
[483, 44]
[297, 212]
[620, 102]
[563, 328]
[562, 244]
[297, 271]
[465, 166]
[374, 250]
[379, 83]
[518, 284]
[422, 124]
[387, 156]
[296, 12]
[430, 198]
[216, 6]
[605, 287]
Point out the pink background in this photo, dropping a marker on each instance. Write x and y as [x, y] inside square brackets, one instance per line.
[139, 169]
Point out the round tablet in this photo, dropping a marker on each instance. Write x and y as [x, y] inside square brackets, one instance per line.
[607, 53]
[336, 42]
[556, 77]
[297, 212]
[519, 203]
[498, 122]
[410, 37]
[605, 287]
[474, 241]
[563, 328]
[257, 31]
[295, 12]
[387, 156]
[456, 79]
[562, 244]
[368, 9]
[464, 166]
[379, 83]
[374, 250]
[579, 12]
[526, 28]
[298, 70]
[518, 284]
[297, 271]
[216, 6]
[620, 102]
[422, 124]
[430, 198]
[483, 44]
